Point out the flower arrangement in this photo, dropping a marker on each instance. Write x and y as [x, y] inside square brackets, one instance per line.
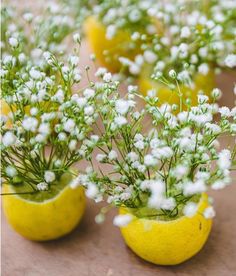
[151, 156]
[159, 165]
[32, 34]
[174, 35]
[169, 150]
[46, 129]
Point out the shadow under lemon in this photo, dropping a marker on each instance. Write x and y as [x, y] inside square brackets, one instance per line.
[44, 215]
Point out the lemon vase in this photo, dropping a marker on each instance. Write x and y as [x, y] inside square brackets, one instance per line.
[45, 215]
[168, 242]
[108, 51]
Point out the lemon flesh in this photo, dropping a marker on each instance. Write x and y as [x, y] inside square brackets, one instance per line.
[48, 219]
[204, 83]
[168, 242]
[108, 51]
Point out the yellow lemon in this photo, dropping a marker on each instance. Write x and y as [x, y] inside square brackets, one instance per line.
[108, 51]
[204, 83]
[45, 218]
[168, 242]
[5, 110]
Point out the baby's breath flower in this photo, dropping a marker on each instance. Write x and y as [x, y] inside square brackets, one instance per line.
[42, 186]
[77, 38]
[230, 61]
[190, 209]
[49, 176]
[11, 171]
[122, 220]
[107, 77]
[209, 212]
[122, 106]
[13, 42]
[112, 155]
[8, 139]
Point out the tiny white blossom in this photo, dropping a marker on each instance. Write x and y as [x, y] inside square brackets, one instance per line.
[8, 139]
[203, 69]
[224, 160]
[216, 93]
[185, 32]
[34, 111]
[197, 187]
[28, 16]
[88, 110]
[91, 191]
[218, 185]
[209, 212]
[120, 121]
[149, 160]
[230, 61]
[72, 145]
[11, 171]
[202, 99]
[101, 71]
[112, 155]
[190, 209]
[100, 157]
[69, 125]
[107, 77]
[100, 218]
[74, 60]
[75, 182]
[122, 220]
[168, 203]
[110, 31]
[122, 106]
[225, 111]
[149, 56]
[132, 156]
[139, 145]
[44, 128]
[13, 42]
[49, 176]
[77, 38]
[89, 93]
[30, 124]
[42, 186]
[35, 74]
[172, 74]
[62, 136]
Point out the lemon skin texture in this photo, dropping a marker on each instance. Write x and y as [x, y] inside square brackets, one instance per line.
[46, 220]
[205, 83]
[116, 47]
[168, 242]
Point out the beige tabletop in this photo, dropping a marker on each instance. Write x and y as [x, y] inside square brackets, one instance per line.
[98, 250]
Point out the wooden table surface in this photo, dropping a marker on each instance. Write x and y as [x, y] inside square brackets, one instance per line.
[98, 250]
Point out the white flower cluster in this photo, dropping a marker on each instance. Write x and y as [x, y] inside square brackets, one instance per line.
[47, 32]
[45, 127]
[162, 34]
[167, 166]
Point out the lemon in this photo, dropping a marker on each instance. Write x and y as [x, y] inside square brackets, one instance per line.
[168, 242]
[5, 110]
[44, 217]
[205, 83]
[108, 51]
